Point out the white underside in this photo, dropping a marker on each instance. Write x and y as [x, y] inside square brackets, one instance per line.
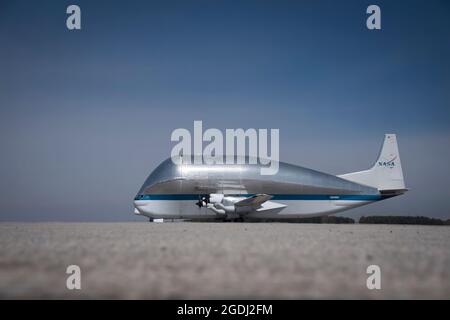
[186, 209]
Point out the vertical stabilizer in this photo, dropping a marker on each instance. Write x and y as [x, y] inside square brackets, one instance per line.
[386, 174]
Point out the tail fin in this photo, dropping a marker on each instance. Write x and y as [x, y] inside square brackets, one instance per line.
[386, 174]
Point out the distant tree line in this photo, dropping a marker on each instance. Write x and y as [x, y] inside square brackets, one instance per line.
[367, 220]
[324, 219]
[328, 219]
[403, 220]
[363, 220]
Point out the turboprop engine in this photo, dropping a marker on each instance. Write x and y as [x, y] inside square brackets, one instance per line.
[237, 206]
[223, 205]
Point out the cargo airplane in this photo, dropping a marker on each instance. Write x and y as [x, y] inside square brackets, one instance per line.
[181, 190]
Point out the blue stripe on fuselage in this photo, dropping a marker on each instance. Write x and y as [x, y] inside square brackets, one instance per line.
[356, 197]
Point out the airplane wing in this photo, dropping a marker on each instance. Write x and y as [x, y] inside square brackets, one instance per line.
[256, 203]
[253, 201]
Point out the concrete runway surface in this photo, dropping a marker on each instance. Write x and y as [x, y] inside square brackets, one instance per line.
[223, 260]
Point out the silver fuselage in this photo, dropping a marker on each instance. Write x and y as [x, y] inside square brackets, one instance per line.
[172, 190]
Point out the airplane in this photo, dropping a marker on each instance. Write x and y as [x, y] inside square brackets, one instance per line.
[237, 192]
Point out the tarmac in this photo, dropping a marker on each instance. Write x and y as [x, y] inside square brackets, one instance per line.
[183, 260]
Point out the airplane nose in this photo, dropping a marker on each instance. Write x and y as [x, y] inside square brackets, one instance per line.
[139, 207]
[138, 203]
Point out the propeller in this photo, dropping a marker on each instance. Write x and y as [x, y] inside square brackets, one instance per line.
[202, 201]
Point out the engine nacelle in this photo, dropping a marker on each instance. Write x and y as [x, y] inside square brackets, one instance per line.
[225, 205]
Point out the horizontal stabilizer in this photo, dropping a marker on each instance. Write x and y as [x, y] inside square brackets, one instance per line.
[271, 206]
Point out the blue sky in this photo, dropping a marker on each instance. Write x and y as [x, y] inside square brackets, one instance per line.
[86, 115]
